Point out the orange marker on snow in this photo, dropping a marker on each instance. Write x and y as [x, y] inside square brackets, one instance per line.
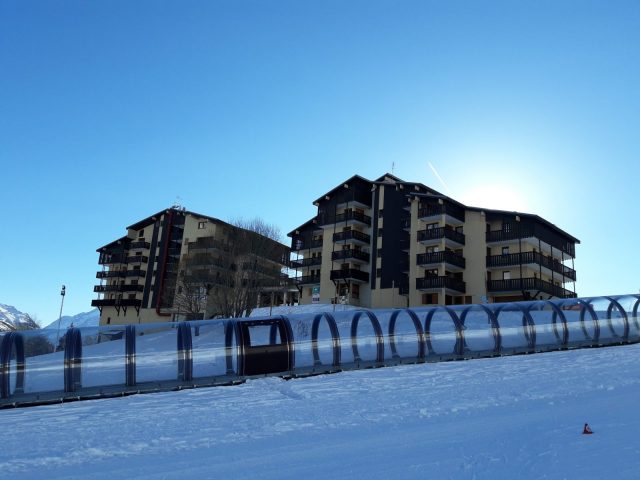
[587, 430]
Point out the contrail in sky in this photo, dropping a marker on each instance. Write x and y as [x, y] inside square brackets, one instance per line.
[435, 172]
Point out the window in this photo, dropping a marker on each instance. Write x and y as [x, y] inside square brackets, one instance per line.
[141, 234]
[506, 275]
[379, 232]
[432, 272]
[379, 252]
[380, 213]
[202, 225]
[132, 296]
[378, 272]
[429, 298]
[134, 282]
[355, 291]
[505, 250]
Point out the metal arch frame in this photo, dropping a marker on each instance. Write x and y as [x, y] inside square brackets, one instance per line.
[458, 349]
[378, 331]
[495, 326]
[613, 302]
[594, 318]
[335, 338]
[419, 333]
[635, 311]
[528, 325]
[565, 326]
[289, 340]
[11, 341]
[72, 360]
[185, 352]
[231, 329]
[130, 355]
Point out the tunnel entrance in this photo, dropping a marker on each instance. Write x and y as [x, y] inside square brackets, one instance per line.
[266, 346]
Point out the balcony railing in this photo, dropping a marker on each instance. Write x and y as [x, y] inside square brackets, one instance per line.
[441, 257]
[137, 259]
[349, 274]
[352, 235]
[529, 284]
[117, 288]
[136, 273]
[111, 274]
[308, 279]
[353, 216]
[515, 231]
[111, 258]
[437, 210]
[139, 244]
[350, 253]
[512, 233]
[306, 262]
[116, 302]
[511, 259]
[430, 283]
[301, 243]
[441, 232]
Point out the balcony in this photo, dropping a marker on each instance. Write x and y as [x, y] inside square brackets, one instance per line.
[359, 198]
[435, 283]
[434, 235]
[112, 258]
[351, 254]
[508, 235]
[534, 234]
[137, 259]
[530, 258]
[352, 236]
[111, 274]
[135, 273]
[454, 213]
[448, 257]
[300, 243]
[118, 288]
[116, 302]
[306, 262]
[139, 244]
[206, 244]
[405, 223]
[350, 274]
[351, 217]
[308, 280]
[529, 284]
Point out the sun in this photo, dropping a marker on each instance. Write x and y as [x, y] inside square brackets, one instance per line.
[497, 196]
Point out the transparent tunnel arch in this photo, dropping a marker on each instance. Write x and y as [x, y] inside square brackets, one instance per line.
[37, 367]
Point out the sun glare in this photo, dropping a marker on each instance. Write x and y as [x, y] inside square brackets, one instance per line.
[495, 196]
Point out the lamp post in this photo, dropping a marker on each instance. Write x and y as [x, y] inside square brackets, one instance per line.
[62, 294]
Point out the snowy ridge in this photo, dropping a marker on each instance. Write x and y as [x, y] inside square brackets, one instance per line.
[85, 319]
[13, 319]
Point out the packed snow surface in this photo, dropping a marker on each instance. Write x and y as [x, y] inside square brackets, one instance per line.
[498, 418]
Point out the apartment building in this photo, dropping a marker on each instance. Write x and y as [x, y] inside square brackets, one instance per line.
[392, 243]
[181, 265]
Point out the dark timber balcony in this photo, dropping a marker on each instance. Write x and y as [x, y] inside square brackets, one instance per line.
[301, 243]
[435, 283]
[350, 274]
[137, 259]
[308, 280]
[451, 258]
[351, 254]
[530, 258]
[110, 259]
[529, 284]
[139, 244]
[118, 288]
[513, 232]
[431, 235]
[306, 262]
[112, 274]
[348, 218]
[116, 302]
[435, 211]
[352, 236]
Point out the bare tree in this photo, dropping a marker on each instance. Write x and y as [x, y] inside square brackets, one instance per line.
[226, 275]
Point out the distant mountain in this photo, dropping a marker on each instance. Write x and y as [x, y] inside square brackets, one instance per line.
[86, 319]
[13, 319]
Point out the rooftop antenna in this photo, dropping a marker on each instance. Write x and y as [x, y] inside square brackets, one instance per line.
[178, 203]
[393, 168]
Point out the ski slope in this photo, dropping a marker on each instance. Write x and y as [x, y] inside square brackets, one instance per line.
[507, 417]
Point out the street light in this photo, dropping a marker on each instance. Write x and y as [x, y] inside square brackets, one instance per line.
[62, 294]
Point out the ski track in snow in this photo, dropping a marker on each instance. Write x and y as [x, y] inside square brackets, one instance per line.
[509, 417]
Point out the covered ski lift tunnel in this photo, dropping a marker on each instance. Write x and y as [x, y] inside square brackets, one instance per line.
[119, 360]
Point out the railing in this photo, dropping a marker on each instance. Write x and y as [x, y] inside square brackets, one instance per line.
[529, 284]
[113, 360]
[118, 288]
[136, 273]
[207, 243]
[431, 283]
[446, 208]
[109, 258]
[441, 257]
[350, 216]
[111, 274]
[301, 243]
[349, 273]
[139, 244]
[350, 253]
[526, 258]
[137, 259]
[306, 262]
[116, 302]
[515, 230]
[512, 233]
[352, 235]
[307, 279]
[441, 232]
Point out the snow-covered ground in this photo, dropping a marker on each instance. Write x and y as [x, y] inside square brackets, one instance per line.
[500, 418]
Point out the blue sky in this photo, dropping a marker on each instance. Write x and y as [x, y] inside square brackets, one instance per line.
[112, 110]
